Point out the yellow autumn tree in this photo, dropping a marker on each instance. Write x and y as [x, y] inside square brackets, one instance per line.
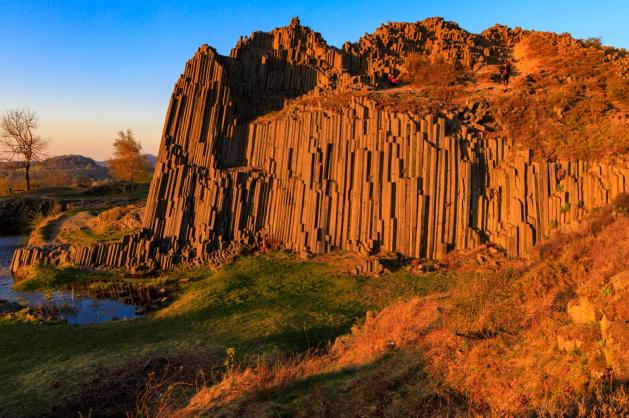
[128, 163]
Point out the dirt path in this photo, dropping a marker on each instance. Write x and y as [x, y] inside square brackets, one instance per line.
[522, 63]
[47, 229]
[84, 224]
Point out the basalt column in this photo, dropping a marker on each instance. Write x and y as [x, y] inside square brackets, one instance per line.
[206, 128]
[241, 161]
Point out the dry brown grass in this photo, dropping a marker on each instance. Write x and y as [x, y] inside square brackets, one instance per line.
[617, 88]
[487, 347]
[400, 328]
[567, 99]
[439, 80]
[482, 306]
[565, 121]
[563, 55]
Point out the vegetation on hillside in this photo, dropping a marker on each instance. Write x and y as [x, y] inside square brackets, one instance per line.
[441, 80]
[64, 170]
[44, 211]
[566, 98]
[547, 338]
[269, 305]
[87, 224]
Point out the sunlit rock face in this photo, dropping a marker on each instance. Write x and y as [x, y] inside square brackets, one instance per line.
[284, 140]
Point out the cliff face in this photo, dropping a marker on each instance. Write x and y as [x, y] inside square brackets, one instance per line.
[239, 164]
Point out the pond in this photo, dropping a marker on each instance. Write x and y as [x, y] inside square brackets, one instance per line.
[72, 306]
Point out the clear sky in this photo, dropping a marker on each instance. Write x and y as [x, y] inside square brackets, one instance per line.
[93, 67]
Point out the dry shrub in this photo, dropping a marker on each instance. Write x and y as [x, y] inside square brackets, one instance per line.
[604, 402]
[603, 217]
[482, 306]
[439, 79]
[4, 186]
[621, 204]
[248, 382]
[617, 88]
[271, 244]
[545, 288]
[165, 391]
[594, 42]
[422, 72]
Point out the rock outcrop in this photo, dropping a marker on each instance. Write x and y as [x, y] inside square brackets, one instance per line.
[18, 212]
[239, 163]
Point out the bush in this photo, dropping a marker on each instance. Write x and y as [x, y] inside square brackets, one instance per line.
[617, 88]
[621, 204]
[594, 42]
[4, 187]
[482, 306]
[423, 72]
[439, 79]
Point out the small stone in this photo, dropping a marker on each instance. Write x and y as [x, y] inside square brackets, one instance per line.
[582, 312]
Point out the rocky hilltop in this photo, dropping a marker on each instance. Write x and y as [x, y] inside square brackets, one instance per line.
[291, 140]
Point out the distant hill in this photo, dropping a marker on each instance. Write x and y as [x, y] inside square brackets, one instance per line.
[63, 170]
[152, 159]
[69, 162]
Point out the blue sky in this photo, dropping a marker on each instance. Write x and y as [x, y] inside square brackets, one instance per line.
[91, 68]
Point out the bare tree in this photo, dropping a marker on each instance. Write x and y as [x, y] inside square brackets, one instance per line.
[17, 139]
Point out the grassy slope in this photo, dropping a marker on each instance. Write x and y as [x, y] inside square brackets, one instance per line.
[47, 279]
[488, 347]
[265, 304]
[71, 193]
[565, 100]
[20, 214]
[90, 202]
[49, 230]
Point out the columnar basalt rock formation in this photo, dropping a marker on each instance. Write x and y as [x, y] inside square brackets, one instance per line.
[383, 51]
[240, 163]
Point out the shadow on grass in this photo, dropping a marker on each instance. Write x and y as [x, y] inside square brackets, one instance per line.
[396, 384]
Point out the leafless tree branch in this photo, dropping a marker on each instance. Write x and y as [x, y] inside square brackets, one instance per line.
[18, 140]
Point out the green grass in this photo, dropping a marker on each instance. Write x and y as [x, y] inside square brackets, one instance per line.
[270, 304]
[139, 192]
[89, 236]
[43, 228]
[48, 278]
